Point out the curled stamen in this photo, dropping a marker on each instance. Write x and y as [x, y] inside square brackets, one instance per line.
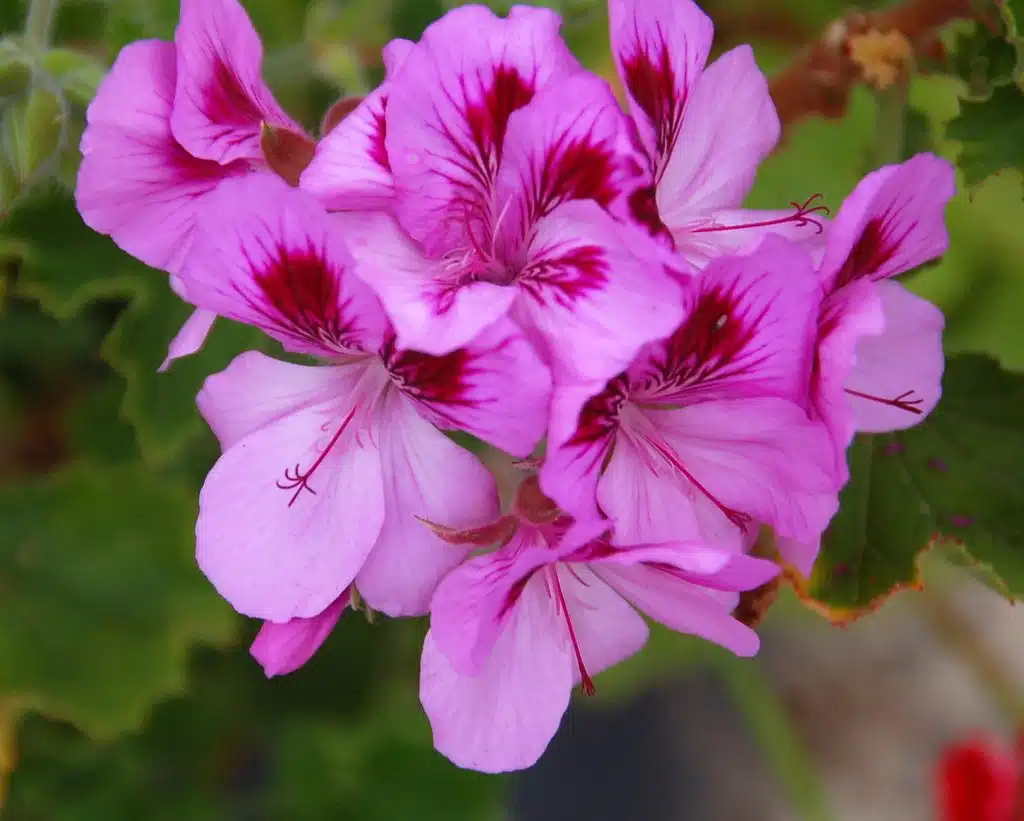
[801, 218]
[903, 401]
[298, 481]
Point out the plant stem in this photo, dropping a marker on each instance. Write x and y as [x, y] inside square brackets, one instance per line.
[39, 23]
[890, 137]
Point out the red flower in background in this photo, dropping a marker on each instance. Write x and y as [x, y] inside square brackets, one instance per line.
[982, 780]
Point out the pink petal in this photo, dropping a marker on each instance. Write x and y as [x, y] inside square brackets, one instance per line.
[739, 231]
[660, 47]
[221, 101]
[847, 317]
[729, 462]
[468, 389]
[595, 293]
[447, 118]
[255, 390]
[891, 223]
[729, 127]
[749, 331]
[289, 513]
[571, 142]
[190, 338]
[283, 648]
[503, 718]
[474, 603]
[801, 555]
[663, 583]
[394, 55]
[426, 476]
[904, 363]
[268, 255]
[136, 183]
[430, 313]
[605, 629]
[350, 169]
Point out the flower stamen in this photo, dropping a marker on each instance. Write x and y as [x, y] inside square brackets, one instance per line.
[801, 218]
[298, 481]
[902, 402]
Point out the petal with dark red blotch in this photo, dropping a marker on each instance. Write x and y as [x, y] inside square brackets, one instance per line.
[749, 331]
[447, 117]
[221, 100]
[136, 183]
[892, 222]
[268, 255]
[660, 47]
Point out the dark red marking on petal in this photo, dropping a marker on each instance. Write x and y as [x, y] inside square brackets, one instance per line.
[298, 480]
[585, 680]
[565, 277]
[652, 83]
[488, 116]
[378, 148]
[225, 99]
[801, 218]
[902, 402]
[876, 246]
[599, 417]
[576, 169]
[643, 208]
[301, 299]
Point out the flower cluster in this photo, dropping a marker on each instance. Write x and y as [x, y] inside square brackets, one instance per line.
[490, 243]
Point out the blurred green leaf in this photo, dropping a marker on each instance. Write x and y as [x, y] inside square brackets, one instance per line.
[79, 74]
[991, 133]
[983, 59]
[956, 476]
[32, 133]
[100, 595]
[15, 68]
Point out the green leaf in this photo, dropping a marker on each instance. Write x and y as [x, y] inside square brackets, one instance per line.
[991, 133]
[983, 59]
[79, 74]
[956, 476]
[100, 596]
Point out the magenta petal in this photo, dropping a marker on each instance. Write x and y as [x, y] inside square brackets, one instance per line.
[426, 476]
[901, 368]
[190, 338]
[503, 717]
[394, 55]
[469, 389]
[448, 115]
[660, 47]
[136, 183]
[594, 292]
[290, 512]
[728, 128]
[283, 648]
[221, 101]
[891, 223]
[801, 555]
[268, 255]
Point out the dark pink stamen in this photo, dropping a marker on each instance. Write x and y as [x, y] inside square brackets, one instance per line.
[297, 480]
[586, 682]
[903, 402]
[801, 218]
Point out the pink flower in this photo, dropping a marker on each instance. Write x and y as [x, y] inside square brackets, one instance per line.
[326, 468]
[707, 434]
[169, 124]
[283, 647]
[704, 131]
[512, 632]
[510, 165]
[879, 361]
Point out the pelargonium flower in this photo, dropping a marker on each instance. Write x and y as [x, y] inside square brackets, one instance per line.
[510, 167]
[513, 631]
[169, 124]
[707, 432]
[326, 467]
[704, 131]
[283, 647]
[879, 360]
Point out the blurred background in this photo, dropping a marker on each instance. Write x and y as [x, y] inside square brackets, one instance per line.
[126, 689]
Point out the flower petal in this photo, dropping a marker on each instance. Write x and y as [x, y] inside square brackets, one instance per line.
[594, 293]
[749, 331]
[802, 555]
[426, 476]
[447, 118]
[891, 223]
[221, 100]
[268, 255]
[430, 313]
[290, 512]
[136, 183]
[571, 142]
[660, 47]
[503, 718]
[902, 366]
[190, 338]
[469, 389]
[283, 648]
[728, 128]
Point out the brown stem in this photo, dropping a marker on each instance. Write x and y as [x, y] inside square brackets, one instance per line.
[821, 77]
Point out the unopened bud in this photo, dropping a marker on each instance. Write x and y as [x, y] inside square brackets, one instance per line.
[286, 152]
